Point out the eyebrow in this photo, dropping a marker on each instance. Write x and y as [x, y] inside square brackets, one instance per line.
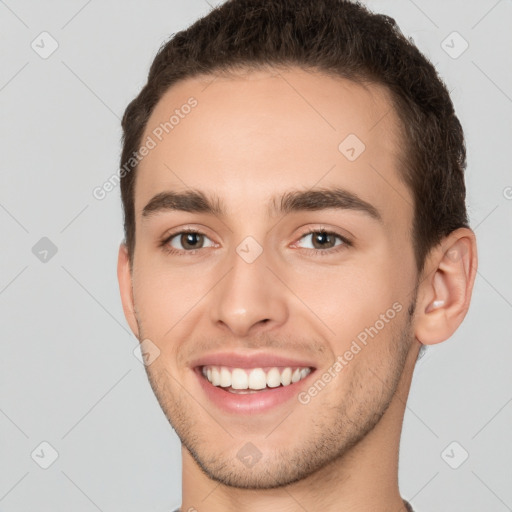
[196, 201]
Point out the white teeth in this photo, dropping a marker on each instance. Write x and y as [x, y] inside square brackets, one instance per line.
[225, 378]
[273, 378]
[286, 376]
[257, 379]
[215, 376]
[295, 376]
[253, 379]
[239, 379]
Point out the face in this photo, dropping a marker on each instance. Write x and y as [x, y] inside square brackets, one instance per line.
[273, 250]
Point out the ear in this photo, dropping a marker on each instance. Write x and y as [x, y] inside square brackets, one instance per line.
[445, 289]
[124, 277]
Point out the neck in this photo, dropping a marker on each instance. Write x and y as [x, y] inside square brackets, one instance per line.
[365, 478]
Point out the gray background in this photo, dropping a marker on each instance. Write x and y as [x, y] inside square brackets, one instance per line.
[68, 372]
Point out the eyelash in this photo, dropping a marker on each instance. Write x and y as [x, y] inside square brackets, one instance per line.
[164, 244]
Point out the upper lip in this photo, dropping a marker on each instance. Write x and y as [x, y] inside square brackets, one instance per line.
[255, 360]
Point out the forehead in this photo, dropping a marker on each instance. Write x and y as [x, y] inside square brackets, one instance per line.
[245, 137]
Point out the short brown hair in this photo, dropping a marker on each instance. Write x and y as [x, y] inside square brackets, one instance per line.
[340, 38]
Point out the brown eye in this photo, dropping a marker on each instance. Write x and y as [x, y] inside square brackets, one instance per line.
[191, 240]
[323, 240]
[186, 241]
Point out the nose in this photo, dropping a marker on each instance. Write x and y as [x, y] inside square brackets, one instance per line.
[249, 298]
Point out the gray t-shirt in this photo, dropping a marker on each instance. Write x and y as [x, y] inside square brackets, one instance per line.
[406, 503]
[407, 506]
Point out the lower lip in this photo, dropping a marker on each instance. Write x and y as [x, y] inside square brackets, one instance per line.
[250, 403]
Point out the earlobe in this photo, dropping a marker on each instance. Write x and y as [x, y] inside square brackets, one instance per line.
[124, 278]
[445, 292]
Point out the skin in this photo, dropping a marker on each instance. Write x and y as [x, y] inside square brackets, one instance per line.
[251, 136]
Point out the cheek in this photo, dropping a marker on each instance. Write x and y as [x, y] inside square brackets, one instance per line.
[165, 299]
[349, 298]
[361, 306]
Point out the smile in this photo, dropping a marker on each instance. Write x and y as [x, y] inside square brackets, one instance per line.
[248, 391]
[251, 380]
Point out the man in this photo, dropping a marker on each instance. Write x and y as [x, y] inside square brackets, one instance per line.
[296, 230]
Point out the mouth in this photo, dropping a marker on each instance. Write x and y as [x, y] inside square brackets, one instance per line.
[251, 390]
[253, 380]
